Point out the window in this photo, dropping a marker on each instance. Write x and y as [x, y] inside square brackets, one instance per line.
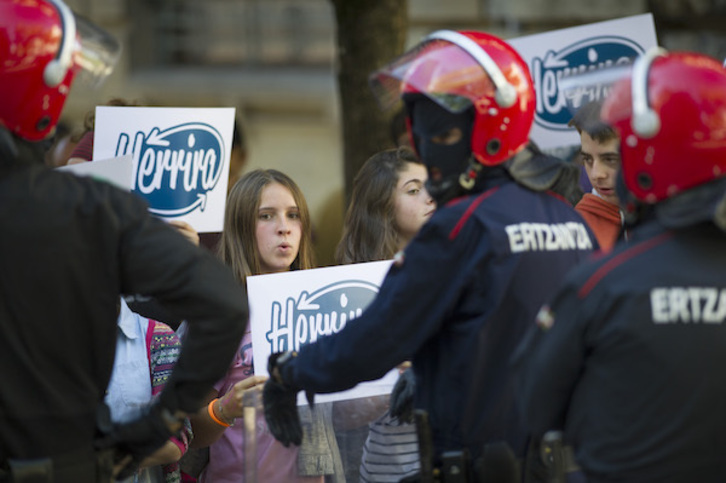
[233, 33]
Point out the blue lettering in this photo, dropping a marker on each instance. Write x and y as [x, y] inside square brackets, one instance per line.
[584, 56]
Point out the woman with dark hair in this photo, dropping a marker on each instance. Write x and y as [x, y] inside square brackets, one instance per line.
[389, 204]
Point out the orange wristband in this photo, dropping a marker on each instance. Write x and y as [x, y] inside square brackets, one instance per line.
[210, 410]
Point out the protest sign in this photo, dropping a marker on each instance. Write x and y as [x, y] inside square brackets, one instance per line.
[116, 171]
[561, 53]
[291, 309]
[180, 158]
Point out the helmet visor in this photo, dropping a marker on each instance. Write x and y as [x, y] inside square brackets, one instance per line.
[439, 69]
[580, 90]
[96, 52]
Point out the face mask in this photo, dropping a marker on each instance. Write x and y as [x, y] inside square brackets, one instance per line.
[444, 161]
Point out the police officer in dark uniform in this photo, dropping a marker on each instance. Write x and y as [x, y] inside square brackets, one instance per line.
[69, 247]
[629, 357]
[458, 301]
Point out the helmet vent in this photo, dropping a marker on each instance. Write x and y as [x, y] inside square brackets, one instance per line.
[43, 123]
[493, 146]
[645, 181]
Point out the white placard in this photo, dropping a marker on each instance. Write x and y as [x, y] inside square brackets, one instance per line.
[551, 55]
[116, 171]
[291, 309]
[180, 158]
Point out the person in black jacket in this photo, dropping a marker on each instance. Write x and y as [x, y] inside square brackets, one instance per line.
[627, 360]
[459, 298]
[70, 247]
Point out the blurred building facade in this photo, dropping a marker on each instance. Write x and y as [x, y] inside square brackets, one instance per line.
[274, 61]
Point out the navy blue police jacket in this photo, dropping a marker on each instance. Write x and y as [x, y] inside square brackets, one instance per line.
[471, 281]
[630, 357]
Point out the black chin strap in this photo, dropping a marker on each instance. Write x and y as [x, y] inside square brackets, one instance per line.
[468, 178]
[634, 211]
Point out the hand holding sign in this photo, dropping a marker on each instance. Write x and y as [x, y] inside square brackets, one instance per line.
[280, 403]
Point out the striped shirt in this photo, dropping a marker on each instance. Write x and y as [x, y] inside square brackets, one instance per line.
[390, 452]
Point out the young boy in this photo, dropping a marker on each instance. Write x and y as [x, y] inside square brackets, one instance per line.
[600, 154]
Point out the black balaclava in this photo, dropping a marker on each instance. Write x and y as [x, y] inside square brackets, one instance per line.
[444, 163]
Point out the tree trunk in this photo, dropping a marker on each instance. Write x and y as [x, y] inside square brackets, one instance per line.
[370, 33]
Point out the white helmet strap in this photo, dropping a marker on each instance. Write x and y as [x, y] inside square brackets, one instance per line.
[57, 68]
[645, 121]
[506, 94]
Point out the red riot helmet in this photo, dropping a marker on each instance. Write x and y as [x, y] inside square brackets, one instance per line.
[43, 45]
[670, 113]
[460, 70]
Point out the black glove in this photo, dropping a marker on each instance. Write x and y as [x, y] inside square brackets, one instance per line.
[279, 401]
[402, 397]
[140, 438]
